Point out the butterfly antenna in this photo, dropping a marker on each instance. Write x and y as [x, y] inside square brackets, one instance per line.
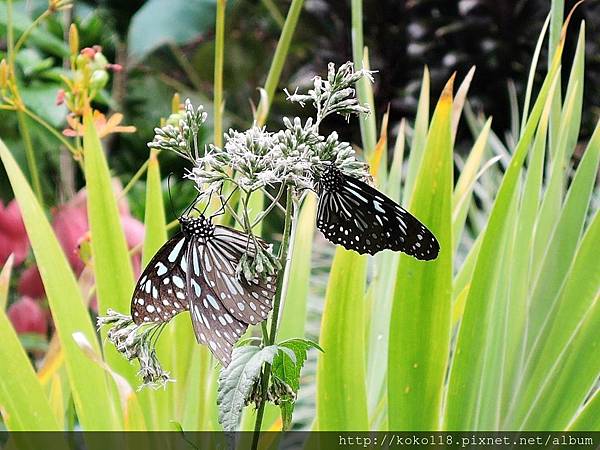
[171, 198]
[221, 210]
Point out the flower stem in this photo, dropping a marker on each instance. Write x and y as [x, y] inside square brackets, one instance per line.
[29, 153]
[281, 288]
[218, 81]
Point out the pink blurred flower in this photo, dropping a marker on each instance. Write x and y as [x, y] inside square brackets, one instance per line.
[72, 227]
[30, 283]
[27, 316]
[13, 237]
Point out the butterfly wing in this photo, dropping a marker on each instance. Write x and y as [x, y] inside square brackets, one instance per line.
[161, 291]
[213, 325]
[359, 217]
[247, 301]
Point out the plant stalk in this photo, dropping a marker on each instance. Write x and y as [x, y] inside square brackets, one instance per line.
[30, 154]
[281, 288]
[218, 81]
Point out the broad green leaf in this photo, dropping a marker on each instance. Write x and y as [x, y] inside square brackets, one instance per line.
[176, 22]
[237, 380]
[94, 401]
[466, 369]
[23, 403]
[417, 145]
[112, 264]
[293, 317]
[561, 371]
[286, 368]
[341, 393]
[420, 322]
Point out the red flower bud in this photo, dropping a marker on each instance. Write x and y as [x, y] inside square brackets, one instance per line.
[30, 283]
[88, 52]
[60, 97]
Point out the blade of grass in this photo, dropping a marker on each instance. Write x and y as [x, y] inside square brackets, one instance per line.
[364, 91]
[463, 191]
[556, 20]
[283, 45]
[459, 100]
[420, 319]
[588, 418]
[562, 243]
[532, 72]
[95, 404]
[112, 265]
[341, 395]
[560, 373]
[159, 405]
[522, 259]
[466, 370]
[293, 318]
[419, 136]
[218, 77]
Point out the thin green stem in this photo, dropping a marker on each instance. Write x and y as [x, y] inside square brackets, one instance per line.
[279, 59]
[52, 130]
[189, 70]
[281, 288]
[134, 178]
[30, 154]
[218, 82]
[274, 11]
[29, 29]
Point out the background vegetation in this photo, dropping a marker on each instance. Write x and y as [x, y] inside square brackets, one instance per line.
[499, 332]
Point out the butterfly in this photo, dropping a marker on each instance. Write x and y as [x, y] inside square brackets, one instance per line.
[359, 217]
[196, 271]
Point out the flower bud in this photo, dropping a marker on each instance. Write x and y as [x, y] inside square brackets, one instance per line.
[3, 74]
[73, 39]
[99, 79]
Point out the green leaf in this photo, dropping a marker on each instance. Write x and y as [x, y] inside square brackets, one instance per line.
[421, 314]
[23, 403]
[237, 380]
[97, 409]
[465, 375]
[560, 371]
[112, 264]
[293, 317]
[341, 390]
[38, 36]
[563, 242]
[417, 145]
[5, 281]
[587, 418]
[175, 22]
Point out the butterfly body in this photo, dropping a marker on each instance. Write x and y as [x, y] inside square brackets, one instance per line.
[196, 270]
[359, 217]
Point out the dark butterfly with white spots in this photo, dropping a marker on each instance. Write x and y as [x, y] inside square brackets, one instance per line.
[196, 271]
[359, 217]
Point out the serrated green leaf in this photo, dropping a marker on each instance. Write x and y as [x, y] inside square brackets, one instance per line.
[237, 380]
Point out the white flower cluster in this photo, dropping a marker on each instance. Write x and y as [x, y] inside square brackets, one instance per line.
[256, 158]
[180, 134]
